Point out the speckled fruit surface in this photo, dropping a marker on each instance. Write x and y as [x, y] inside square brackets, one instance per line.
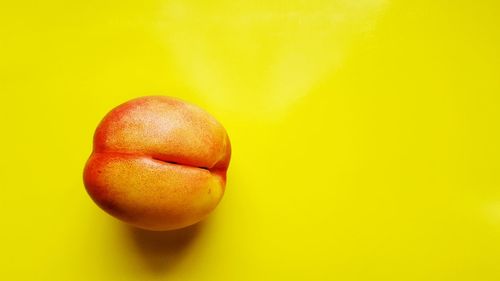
[158, 163]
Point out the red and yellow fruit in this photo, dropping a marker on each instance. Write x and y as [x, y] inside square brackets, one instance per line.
[158, 163]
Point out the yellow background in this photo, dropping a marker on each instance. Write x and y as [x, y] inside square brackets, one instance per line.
[365, 137]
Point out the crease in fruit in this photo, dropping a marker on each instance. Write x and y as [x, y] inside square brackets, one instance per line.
[179, 164]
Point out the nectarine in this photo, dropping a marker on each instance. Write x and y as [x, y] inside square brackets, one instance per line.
[158, 163]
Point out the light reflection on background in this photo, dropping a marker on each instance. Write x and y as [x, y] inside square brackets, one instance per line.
[262, 60]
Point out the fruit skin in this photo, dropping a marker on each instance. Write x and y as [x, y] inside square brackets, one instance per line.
[158, 163]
